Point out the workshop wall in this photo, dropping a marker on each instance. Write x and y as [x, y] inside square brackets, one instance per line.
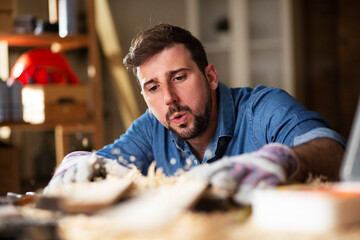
[327, 44]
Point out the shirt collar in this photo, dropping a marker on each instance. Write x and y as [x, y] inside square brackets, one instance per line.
[226, 118]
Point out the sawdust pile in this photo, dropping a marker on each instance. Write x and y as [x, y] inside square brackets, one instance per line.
[188, 225]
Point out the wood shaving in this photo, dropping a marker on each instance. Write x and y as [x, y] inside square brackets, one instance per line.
[155, 178]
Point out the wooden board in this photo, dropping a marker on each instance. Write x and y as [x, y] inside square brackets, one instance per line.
[91, 196]
[156, 207]
[307, 209]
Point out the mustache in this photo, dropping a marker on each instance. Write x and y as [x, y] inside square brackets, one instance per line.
[176, 108]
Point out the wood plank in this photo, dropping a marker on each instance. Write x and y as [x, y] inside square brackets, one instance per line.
[60, 144]
[155, 207]
[95, 75]
[47, 40]
[90, 196]
[78, 126]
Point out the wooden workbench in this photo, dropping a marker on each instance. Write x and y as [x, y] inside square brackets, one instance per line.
[192, 222]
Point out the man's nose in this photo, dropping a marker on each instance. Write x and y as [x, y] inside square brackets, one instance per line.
[170, 96]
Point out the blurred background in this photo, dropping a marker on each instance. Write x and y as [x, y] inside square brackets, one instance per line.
[310, 48]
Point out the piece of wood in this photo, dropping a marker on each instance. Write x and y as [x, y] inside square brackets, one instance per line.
[46, 40]
[128, 107]
[90, 196]
[61, 144]
[95, 76]
[155, 207]
[307, 209]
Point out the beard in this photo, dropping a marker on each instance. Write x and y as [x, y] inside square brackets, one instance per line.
[201, 122]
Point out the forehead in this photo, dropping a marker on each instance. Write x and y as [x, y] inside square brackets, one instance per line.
[172, 58]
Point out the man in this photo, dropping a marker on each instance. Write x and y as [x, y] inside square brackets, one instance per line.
[250, 137]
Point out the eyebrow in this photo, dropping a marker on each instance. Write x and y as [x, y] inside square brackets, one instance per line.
[147, 83]
[172, 73]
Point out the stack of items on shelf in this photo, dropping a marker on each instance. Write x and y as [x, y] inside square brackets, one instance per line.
[63, 19]
[10, 101]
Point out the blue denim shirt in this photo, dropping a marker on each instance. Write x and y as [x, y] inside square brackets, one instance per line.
[247, 120]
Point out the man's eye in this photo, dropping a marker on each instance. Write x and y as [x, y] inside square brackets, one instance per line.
[179, 78]
[153, 88]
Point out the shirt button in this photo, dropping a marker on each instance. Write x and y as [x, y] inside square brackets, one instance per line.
[172, 161]
[115, 151]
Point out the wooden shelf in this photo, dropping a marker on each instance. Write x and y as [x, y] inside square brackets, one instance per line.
[43, 126]
[48, 40]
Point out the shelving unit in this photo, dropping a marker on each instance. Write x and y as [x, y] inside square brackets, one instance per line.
[94, 124]
[257, 48]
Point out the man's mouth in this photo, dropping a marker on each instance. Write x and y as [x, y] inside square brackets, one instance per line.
[179, 118]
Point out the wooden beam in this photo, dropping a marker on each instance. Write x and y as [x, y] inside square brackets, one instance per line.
[95, 75]
[128, 107]
[61, 144]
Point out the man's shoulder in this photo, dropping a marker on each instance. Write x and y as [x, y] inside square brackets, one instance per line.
[256, 91]
[261, 93]
[249, 95]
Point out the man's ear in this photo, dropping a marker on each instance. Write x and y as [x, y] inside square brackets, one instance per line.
[212, 77]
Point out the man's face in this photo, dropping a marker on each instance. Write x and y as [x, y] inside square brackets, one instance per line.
[176, 91]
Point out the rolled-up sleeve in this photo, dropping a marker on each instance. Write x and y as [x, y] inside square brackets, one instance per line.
[321, 132]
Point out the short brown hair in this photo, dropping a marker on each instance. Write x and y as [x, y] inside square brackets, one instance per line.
[162, 36]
